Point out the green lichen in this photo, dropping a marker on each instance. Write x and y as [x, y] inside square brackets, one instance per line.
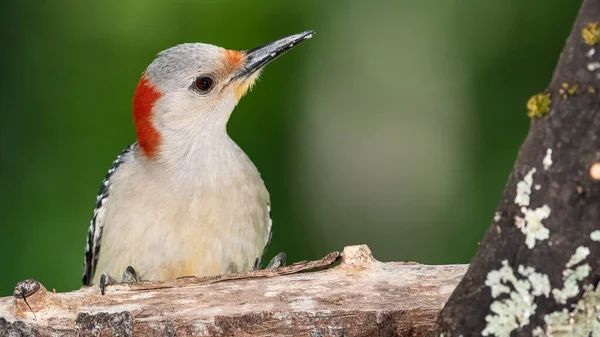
[591, 33]
[538, 105]
[567, 90]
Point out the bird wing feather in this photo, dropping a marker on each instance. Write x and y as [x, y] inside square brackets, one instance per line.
[94, 237]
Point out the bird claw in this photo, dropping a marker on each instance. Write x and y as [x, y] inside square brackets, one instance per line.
[105, 280]
[278, 261]
[256, 264]
[129, 276]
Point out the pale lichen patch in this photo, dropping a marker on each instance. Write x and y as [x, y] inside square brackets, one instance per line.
[547, 161]
[519, 222]
[513, 312]
[524, 189]
[582, 321]
[572, 277]
[581, 253]
[595, 235]
[540, 283]
[531, 224]
[497, 217]
[593, 66]
[538, 332]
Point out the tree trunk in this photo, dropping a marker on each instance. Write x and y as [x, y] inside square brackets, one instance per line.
[358, 297]
[538, 267]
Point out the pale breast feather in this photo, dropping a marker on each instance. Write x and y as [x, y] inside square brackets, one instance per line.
[94, 236]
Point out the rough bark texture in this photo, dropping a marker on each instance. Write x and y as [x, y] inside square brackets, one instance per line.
[358, 297]
[563, 145]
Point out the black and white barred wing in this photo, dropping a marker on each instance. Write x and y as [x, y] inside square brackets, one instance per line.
[94, 237]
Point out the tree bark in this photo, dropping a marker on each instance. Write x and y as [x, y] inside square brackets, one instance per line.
[358, 297]
[549, 216]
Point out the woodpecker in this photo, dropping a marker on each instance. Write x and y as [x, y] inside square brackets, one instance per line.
[184, 200]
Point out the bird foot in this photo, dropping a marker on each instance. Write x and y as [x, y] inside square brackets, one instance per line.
[129, 276]
[278, 261]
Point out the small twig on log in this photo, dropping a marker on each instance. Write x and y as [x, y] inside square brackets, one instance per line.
[297, 267]
[359, 297]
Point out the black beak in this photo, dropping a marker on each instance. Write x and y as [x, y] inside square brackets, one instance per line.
[260, 56]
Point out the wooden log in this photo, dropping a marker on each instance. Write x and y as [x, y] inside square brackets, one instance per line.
[348, 294]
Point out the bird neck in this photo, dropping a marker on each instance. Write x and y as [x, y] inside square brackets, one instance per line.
[203, 158]
[194, 146]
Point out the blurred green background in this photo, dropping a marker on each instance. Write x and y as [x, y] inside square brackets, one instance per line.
[395, 126]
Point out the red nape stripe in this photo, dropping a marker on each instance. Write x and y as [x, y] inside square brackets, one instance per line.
[143, 101]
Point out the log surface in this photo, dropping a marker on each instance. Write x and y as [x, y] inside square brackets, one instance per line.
[359, 296]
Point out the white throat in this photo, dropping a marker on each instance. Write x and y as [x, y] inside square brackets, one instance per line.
[195, 148]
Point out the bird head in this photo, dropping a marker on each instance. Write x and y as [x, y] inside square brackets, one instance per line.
[189, 91]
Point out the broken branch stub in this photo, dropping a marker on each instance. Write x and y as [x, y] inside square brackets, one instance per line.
[539, 264]
[360, 296]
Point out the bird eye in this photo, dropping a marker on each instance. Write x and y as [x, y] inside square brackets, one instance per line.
[203, 84]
